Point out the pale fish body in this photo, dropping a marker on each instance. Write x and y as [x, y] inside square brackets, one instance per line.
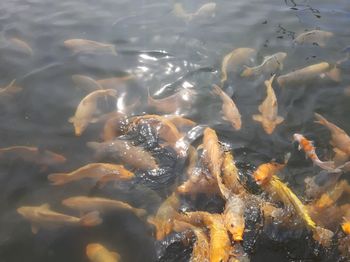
[125, 151]
[270, 65]
[42, 216]
[235, 60]
[87, 109]
[86, 204]
[92, 170]
[205, 11]
[234, 216]
[21, 45]
[98, 253]
[229, 109]
[230, 174]
[87, 83]
[269, 109]
[303, 75]
[171, 104]
[10, 89]
[89, 46]
[164, 218]
[318, 37]
[339, 138]
[212, 152]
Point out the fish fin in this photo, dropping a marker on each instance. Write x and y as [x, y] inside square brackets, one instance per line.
[279, 120]
[320, 119]
[12, 88]
[71, 119]
[151, 220]
[34, 228]
[248, 71]
[115, 255]
[44, 206]
[258, 118]
[58, 179]
[217, 90]
[141, 212]
[94, 120]
[334, 74]
[86, 82]
[91, 219]
[199, 147]
[327, 165]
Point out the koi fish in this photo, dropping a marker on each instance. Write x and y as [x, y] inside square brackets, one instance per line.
[113, 126]
[89, 46]
[234, 216]
[98, 253]
[269, 117]
[93, 170]
[43, 217]
[339, 138]
[234, 61]
[10, 89]
[229, 108]
[346, 226]
[310, 152]
[180, 122]
[212, 152]
[164, 218]
[317, 37]
[230, 175]
[263, 174]
[269, 65]
[132, 155]
[86, 204]
[32, 155]
[21, 45]
[87, 109]
[307, 74]
[205, 11]
[172, 103]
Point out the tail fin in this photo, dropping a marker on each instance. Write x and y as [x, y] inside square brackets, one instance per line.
[248, 71]
[217, 90]
[91, 219]
[320, 119]
[58, 179]
[327, 165]
[334, 74]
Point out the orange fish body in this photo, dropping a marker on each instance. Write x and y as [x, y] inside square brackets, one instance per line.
[93, 170]
[264, 172]
[98, 253]
[212, 152]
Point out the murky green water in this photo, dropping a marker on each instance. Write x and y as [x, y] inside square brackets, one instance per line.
[164, 53]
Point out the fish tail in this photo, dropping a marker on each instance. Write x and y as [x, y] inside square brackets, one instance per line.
[334, 74]
[327, 165]
[91, 219]
[248, 71]
[13, 89]
[58, 179]
[320, 119]
[217, 90]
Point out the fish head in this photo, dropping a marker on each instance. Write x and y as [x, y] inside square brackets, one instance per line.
[297, 137]
[92, 250]
[346, 227]
[79, 127]
[23, 211]
[264, 172]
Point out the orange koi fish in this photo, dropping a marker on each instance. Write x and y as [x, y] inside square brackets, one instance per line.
[98, 253]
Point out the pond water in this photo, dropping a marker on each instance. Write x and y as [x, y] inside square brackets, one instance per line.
[164, 53]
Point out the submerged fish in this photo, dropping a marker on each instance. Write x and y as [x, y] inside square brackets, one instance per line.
[235, 60]
[89, 84]
[10, 89]
[234, 216]
[43, 217]
[317, 37]
[86, 204]
[305, 74]
[89, 46]
[340, 140]
[229, 109]
[171, 104]
[266, 171]
[92, 170]
[269, 117]
[113, 126]
[205, 11]
[180, 122]
[21, 45]
[87, 110]
[269, 65]
[213, 153]
[31, 154]
[98, 253]
[125, 151]
[164, 218]
[310, 152]
[230, 175]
